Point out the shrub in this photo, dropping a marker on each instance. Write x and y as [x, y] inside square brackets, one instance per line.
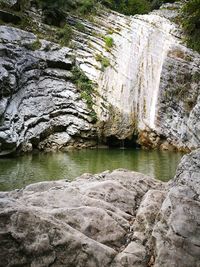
[109, 42]
[86, 89]
[129, 7]
[191, 23]
[64, 35]
[35, 45]
[80, 27]
[86, 6]
[103, 60]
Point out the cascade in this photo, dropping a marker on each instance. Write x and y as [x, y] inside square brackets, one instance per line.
[132, 84]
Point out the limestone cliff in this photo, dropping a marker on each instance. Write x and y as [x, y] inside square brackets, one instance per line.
[151, 87]
[146, 84]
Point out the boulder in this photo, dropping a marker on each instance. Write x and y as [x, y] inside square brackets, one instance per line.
[177, 230]
[117, 219]
[82, 223]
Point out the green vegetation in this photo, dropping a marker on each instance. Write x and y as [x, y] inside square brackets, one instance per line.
[86, 89]
[86, 7]
[191, 23]
[35, 45]
[80, 7]
[103, 60]
[55, 13]
[80, 27]
[130, 7]
[109, 42]
[54, 9]
[64, 35]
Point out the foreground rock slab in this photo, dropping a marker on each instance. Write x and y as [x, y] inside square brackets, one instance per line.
[116, 219]
[177, 231]
[83, 223]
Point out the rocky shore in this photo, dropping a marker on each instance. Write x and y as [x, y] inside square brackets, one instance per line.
[117, 219]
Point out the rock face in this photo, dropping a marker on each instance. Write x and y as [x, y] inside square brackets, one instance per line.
[147, 84]
[83, 223]
[39, 104]
[177, 231]
[116, 219]
[152, 83]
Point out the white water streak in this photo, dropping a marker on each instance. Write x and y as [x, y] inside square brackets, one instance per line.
[132, 85]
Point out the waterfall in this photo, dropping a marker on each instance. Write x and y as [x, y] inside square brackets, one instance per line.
[131, 85]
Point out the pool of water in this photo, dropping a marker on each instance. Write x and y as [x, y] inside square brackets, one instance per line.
[20, 171]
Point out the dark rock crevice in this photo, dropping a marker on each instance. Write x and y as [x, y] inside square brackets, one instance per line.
[113, 141]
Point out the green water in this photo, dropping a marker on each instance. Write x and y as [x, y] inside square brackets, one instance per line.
[20, 171]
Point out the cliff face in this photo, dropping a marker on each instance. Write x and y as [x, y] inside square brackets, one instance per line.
[178, 102]
[40, 106]
[130, 86]
[146, 85]
[151, 87]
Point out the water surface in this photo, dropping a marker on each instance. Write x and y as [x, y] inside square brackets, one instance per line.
[20, 171]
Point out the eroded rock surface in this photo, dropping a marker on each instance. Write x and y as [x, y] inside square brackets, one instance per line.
[83, 223]
[177, 231]
[39, 104]
[151, 85]
[147, 83]
[117, 219]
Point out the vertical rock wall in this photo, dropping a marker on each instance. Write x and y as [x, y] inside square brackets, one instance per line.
[146, 84]
[132, 85]
[151, 86]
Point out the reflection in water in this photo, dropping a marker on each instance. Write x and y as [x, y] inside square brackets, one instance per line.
[21, 171]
